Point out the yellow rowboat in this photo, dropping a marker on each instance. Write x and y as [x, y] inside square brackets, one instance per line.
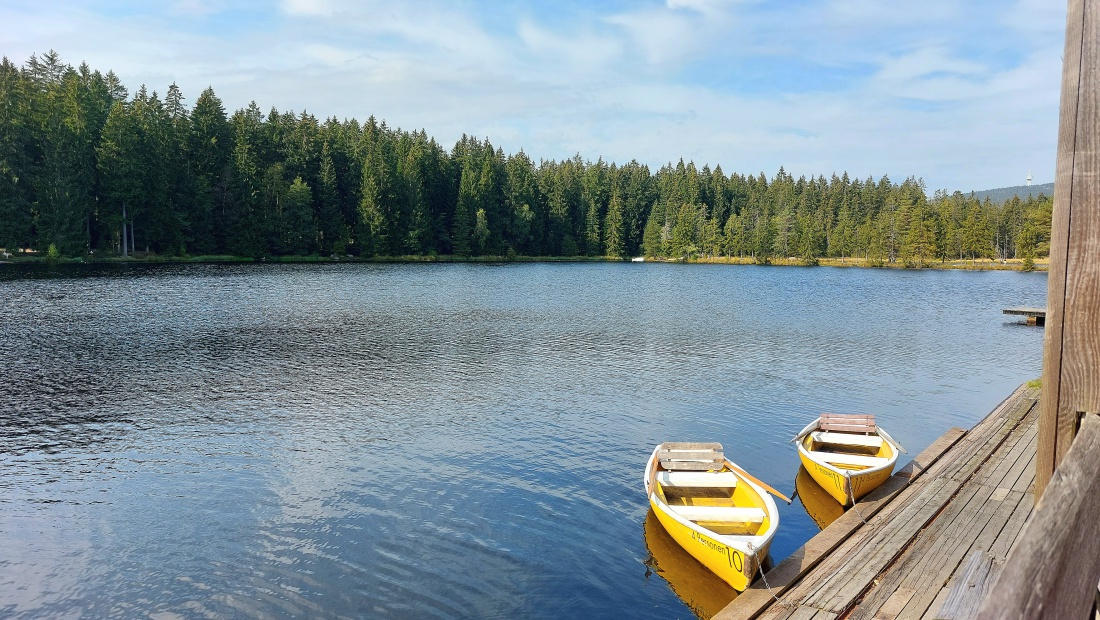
[711, 508]
[848, 455]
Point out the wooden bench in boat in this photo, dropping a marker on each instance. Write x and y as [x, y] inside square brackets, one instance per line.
[711, 479]
[848, 459]
[720, 514]
[847, 439]
[849, 423]
[691, 456]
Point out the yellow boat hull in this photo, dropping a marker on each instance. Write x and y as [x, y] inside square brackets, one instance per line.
[834, 483]
[737, 567]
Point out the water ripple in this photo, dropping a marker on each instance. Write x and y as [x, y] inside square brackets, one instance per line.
[403, 441]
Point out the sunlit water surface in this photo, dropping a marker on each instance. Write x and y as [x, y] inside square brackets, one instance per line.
[417, 441]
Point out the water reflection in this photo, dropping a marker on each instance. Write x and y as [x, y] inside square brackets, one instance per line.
[821, 506]
[437, 440]
[701, 590]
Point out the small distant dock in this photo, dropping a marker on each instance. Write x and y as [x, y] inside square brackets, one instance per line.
[1035, 316]
[935, 535]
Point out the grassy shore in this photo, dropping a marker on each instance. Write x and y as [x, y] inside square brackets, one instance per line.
[1012, 264]
[985, 264]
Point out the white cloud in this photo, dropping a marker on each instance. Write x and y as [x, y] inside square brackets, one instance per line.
[308, 7]
[961, 94]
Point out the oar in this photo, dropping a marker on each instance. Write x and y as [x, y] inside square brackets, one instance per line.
[891, 440]
[812, 426]
[757, 481]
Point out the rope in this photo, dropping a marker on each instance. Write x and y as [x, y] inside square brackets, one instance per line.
[852, 494]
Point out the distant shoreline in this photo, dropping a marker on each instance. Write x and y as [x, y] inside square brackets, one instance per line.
[1012, 264]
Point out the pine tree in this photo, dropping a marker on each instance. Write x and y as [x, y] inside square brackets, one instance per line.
[614, 240]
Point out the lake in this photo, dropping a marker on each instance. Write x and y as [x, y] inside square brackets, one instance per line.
[441, 440]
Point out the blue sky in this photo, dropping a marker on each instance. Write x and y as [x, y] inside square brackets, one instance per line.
[962, 94]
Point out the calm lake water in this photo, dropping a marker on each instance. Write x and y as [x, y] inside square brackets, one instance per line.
[418, 441]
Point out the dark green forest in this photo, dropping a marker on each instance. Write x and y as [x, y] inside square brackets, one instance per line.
[85, 167]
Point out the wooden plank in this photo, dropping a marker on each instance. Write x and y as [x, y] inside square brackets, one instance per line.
[936, 604]
[973, 521]
[1071, 366]
[977, 533]
[750, 603]
[847, 584]
[849, 423]
[695, 479]
[928, 564]
[1011, 530]
[1022, 311]
[890, 608]
[691, 445]
[720, 514]
[1016, 415]
[883, 547]
[966, 594]
[848, 459]
[849, 417]
[1052, 572]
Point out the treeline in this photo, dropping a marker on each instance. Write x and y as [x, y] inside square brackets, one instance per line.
[85, 167]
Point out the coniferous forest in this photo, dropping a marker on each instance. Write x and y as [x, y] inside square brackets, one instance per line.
[85, 167]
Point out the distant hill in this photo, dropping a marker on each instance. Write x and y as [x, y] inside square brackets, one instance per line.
[1001, 194]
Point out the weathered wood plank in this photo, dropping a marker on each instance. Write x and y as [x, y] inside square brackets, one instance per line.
[1022, 311]
[757, 597]
[1071, 368]
[965, 595]
[886, 544]
[1052, 572]
[934, 557]
[1011, 530]
[939, 571]
[927, 565]
[849, 423]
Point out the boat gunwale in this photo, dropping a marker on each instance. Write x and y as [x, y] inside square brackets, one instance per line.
[891, 462]
[749, 544]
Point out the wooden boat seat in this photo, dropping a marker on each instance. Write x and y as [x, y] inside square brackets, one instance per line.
[691, 456]
[851, 423]
[847, 439]
[720, 514]
[848, 459]
[723, 479]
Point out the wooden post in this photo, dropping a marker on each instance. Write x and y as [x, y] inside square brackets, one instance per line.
[1071, 350]
[1054, 566]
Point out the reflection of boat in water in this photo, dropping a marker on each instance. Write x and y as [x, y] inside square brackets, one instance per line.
[821, 506]
[848, 455]
[712, 508]
[701, 590]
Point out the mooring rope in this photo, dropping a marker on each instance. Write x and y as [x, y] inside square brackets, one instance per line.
[852, 494]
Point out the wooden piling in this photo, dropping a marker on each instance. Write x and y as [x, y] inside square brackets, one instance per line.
[1071, 350]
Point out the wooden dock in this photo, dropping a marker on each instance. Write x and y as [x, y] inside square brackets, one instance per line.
[1035, 316]
[948, 519]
